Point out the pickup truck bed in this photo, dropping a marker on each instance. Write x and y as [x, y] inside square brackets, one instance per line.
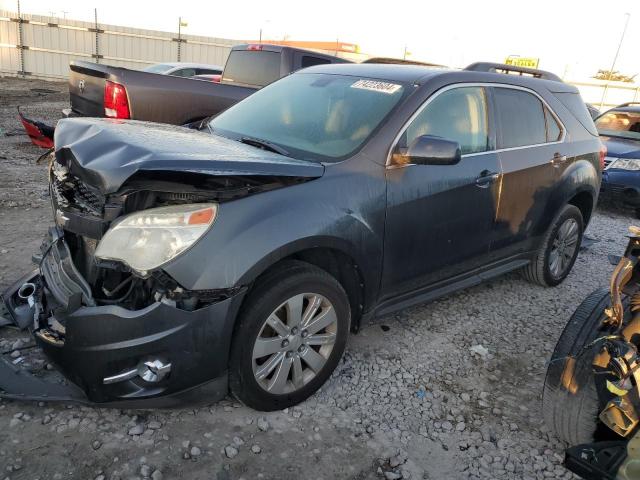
[153, 97]
[177, 100]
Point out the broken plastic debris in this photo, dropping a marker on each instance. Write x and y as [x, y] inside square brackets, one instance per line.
[479, 350]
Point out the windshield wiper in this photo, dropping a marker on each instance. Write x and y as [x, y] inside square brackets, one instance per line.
[265, 145]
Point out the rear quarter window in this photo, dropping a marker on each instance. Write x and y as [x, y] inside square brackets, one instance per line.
[248, 67]
[574, 103]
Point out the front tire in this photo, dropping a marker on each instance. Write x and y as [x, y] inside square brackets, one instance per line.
[559, 250]
[290, 336]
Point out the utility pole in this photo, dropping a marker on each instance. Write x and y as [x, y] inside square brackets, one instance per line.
[404, 55]
[615, 58]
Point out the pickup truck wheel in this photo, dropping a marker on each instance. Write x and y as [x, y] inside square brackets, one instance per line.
[290, 335]
[559, 249]
[569, 400]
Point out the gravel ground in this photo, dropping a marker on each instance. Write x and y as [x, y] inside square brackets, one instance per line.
[448, 390]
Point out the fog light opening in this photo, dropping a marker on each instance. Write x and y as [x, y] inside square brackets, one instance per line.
[152, 371]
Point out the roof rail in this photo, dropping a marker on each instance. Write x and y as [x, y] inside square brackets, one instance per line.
[627, 104]
[504, 68]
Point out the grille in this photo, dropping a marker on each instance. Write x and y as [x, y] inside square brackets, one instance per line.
[72, 193]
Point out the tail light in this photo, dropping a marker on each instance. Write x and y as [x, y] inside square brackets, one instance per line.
[116, 103]
[254, 47]
[603, 154]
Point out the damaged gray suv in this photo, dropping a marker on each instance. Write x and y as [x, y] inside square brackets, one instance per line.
[239, 254]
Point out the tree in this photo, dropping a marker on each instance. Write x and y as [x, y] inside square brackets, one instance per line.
[614, 75]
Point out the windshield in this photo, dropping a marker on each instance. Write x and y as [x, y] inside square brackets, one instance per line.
[160, 68]
[312, 116]
[620, 124]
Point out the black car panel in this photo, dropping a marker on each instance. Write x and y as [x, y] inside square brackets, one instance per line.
[108, 152]
[390, 232]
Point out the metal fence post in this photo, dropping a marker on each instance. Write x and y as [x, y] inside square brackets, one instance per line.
[95, 17]
[179, 36]
[96, 56]
[21, 47]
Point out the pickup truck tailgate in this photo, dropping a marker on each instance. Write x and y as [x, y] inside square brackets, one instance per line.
[86, 90]
[151, 96]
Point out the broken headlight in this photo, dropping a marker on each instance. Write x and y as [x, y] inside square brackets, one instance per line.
[147, 239]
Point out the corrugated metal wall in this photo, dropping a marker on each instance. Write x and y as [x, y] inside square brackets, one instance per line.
[48, 44]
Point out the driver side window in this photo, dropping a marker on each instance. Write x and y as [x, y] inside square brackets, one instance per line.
[459, 114]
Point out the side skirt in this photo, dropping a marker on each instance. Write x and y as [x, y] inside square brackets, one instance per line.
[441, 289]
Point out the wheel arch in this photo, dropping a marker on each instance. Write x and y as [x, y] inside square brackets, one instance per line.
[584, 200]
[335, 256]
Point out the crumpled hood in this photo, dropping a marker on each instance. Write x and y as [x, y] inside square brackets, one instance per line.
[106, 152]
[621, 147]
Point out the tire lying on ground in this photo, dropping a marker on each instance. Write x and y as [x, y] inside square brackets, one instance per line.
[569, 400]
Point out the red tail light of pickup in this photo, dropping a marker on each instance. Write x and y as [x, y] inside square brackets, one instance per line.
[116, 103]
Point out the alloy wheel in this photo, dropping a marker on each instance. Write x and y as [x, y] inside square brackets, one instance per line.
[564, 247]
[294, 343]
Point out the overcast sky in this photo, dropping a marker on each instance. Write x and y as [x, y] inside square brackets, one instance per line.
[569, 36]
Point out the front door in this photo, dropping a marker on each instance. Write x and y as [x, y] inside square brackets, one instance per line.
[440, 217]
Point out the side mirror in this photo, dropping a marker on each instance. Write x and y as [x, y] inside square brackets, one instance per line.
[432, 150]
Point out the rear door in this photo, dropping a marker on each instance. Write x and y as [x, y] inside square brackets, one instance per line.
[440, 217]
[533, 157]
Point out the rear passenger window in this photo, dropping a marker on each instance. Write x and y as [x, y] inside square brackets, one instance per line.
[521, 118]
[554, 132]
[459, 114]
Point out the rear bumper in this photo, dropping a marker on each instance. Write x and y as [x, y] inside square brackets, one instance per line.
[90, 343]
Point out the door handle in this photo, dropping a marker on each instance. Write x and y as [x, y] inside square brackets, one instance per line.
[558, 159]
[486, 178]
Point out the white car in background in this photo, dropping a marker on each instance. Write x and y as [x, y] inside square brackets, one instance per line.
[184, 69]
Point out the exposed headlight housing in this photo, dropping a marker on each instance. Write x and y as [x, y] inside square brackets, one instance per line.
[625, 163]
[150, 238]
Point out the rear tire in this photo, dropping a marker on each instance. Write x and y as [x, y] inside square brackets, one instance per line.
[306, 355]
[572, 413]
[541, 269]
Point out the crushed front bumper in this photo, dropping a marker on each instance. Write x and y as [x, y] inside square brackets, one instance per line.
[89, 344]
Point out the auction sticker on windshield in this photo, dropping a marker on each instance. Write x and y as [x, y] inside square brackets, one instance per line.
[375, 86]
